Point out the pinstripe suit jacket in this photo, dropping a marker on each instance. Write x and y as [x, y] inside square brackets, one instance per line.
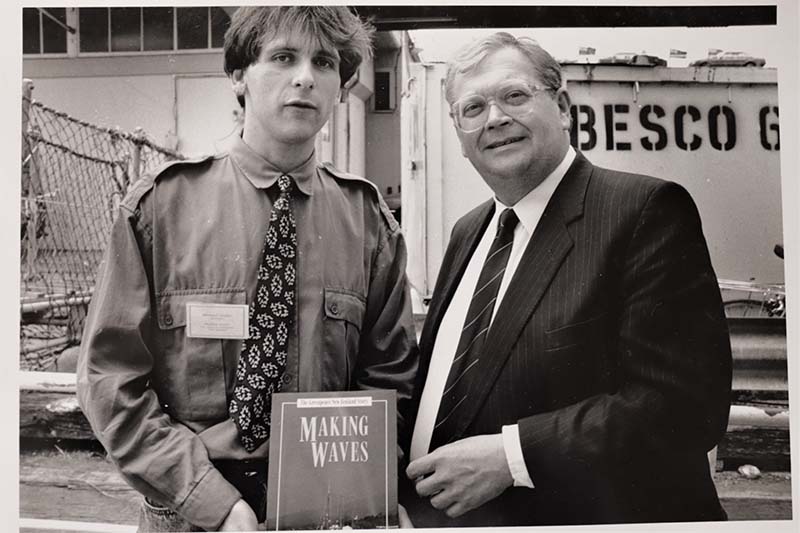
[611, 352]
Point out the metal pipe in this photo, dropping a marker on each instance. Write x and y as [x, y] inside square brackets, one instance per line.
[35, 307]
[49, 297]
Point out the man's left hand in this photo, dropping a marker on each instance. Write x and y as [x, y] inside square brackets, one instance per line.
[462, 475]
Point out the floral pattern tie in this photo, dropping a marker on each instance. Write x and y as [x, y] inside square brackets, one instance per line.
[263, 358]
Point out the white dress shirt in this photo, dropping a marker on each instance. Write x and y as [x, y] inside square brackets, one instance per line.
[529, 210]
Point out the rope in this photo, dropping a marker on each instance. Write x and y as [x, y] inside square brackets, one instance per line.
[74, 174]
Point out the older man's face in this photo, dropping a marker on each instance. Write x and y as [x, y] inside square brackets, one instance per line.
[522, 148]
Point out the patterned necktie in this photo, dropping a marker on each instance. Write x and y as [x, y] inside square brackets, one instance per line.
[263, 358]
[476, 326]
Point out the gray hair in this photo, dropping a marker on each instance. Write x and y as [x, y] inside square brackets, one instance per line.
[467, 59]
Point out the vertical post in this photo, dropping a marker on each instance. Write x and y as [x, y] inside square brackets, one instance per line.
[121, 161]
[136, 155]
[29, 212]
[116, 196]
[27, 92]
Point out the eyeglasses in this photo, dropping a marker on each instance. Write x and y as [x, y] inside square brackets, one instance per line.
[514, 97]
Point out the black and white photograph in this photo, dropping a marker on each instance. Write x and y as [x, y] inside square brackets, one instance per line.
[560, 235]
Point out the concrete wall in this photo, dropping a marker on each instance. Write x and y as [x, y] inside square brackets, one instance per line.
[383, 147]
[383, 129]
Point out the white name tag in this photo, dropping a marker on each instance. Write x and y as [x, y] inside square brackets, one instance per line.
[217, 321]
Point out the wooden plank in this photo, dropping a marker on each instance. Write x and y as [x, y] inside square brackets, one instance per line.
[75, 486]
[47, 381]
[757, 509]
[769, 486]
[84, 487]
[766, 448]
[757, 435]
[39, 525]
[52, 415]
[82, 505]
[71, 470]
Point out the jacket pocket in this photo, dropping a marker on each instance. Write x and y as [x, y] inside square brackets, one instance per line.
[344, 314]
[191, 373]
[583, 333]
[576, 360]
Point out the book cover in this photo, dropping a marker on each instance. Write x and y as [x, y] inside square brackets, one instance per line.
[333, 461]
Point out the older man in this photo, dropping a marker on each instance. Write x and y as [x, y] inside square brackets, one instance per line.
[577, 362]
[174, 382]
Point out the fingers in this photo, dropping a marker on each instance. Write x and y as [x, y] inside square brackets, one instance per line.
[428, 486]
[443, 500]
[449, 502]
[455, 510]
[421, 467]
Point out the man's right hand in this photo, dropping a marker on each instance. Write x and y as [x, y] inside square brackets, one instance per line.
[241, 518]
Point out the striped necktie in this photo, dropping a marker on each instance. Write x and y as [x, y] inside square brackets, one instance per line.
[464, 370]
[263, 357]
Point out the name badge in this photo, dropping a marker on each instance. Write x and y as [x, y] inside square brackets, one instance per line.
[217, 321]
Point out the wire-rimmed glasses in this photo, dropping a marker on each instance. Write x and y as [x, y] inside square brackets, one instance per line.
[515, 98]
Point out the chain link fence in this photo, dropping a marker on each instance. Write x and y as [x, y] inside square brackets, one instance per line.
[74, 174]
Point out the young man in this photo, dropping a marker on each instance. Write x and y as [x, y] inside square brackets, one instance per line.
[576, 355]
[175, 388]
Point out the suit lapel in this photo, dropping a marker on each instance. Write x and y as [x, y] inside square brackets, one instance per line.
[452, 269]
[546, 250]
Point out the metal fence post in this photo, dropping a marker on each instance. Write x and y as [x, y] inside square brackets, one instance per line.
[136, 156]
[29, 211]
[27, 91]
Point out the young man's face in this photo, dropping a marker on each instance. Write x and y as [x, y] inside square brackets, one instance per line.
[289, 91]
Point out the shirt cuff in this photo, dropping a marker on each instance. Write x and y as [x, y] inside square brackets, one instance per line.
[514, 458]
[209, 503]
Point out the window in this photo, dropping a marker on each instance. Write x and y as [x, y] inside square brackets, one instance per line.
[146, 29]
[192, 27]
[383, 98]
[30, 31]
[220, 20]
[126, 28]
[44, 30]
[93, 24]
[157, 28]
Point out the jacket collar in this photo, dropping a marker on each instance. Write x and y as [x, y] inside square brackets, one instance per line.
[263, 174]
[570, 195]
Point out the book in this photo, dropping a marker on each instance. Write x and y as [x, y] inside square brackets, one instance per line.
[333, 461]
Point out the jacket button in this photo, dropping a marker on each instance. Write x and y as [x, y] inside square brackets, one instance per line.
[168, 320]
[334, 309]
[286, 378]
